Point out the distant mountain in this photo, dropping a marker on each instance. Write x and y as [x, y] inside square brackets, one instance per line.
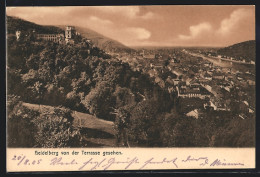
[105, 43]
[102, 41]
[244, 49]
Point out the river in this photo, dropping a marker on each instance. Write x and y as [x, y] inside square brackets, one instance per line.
[242, 67]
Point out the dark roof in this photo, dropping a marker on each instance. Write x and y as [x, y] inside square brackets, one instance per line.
[207, 75]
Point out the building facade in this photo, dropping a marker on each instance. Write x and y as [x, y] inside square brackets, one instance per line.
[191, 92]
[68, 37]
[59, 38]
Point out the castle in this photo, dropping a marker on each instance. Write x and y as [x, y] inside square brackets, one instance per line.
[68, 37]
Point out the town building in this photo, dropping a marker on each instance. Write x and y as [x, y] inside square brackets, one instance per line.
[207, 76]
[218, 76]
[251, 82]
[156, 65]
[217, 104]
[194, 113]
[151, 56]
[185, 91]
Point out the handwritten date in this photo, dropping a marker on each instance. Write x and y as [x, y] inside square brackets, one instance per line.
[23, 160]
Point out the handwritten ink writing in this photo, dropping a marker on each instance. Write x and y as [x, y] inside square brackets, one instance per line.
[124, 164]
[128, 162]
[58, 161]
[22, 159]
[90, 161]
[150, 161]
[218, 162]
[204, 160]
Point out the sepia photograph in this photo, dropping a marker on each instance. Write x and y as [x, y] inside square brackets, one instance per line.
[151, 76]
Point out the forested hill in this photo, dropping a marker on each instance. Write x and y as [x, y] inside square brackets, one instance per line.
[105, 43]
[75, 77]
[244, 49]
[101, 41]
[14, 23]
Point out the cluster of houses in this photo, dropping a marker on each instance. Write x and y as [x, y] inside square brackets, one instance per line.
[201, 84]
[215, 86]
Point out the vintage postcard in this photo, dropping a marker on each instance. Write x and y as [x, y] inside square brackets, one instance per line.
[130, 87]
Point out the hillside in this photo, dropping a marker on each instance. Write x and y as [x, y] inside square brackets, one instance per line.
[101, 41]
[244, 49]
[14, 23]
[103, 131]
[105, 43]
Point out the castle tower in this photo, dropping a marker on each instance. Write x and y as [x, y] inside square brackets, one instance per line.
[70, 33]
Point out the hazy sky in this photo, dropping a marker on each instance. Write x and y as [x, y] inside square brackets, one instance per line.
[153, 25]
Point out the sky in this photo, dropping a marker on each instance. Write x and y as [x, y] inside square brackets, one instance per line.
[168, 25]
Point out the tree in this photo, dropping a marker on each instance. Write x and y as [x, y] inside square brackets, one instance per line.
[20, 129]
[55, 130]
[100, 101]
[121, 126]
[53, 95]
[143, 128]
[33, 62]
[236, 133]
[73, 101]
[124, 97]
[37, 90]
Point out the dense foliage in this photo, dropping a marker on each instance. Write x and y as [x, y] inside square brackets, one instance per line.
[71, 76]
[31, 128]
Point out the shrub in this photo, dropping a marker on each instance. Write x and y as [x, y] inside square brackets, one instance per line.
[55, 129]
